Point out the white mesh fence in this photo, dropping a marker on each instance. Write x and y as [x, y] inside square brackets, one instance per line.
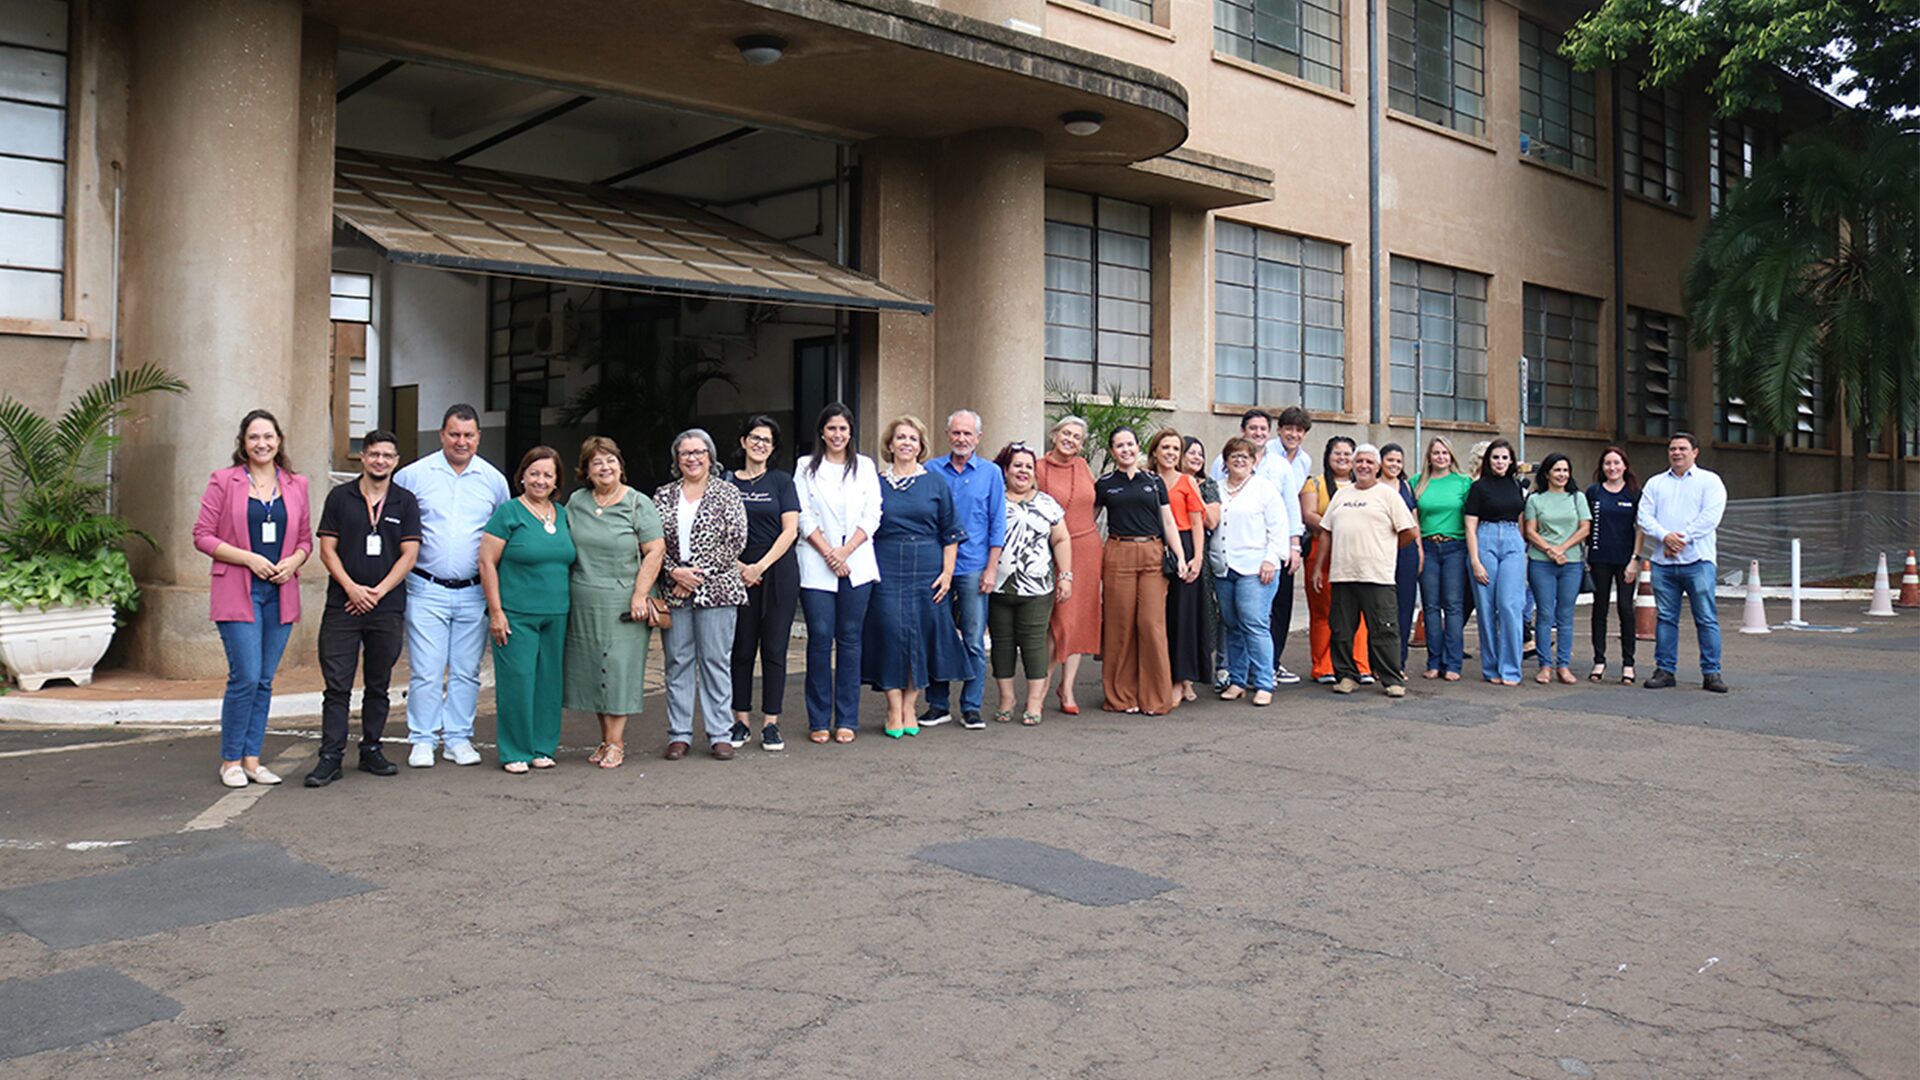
[1840, 534]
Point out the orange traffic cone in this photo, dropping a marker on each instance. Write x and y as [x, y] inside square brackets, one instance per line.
[1646, 614]
[1419, 638]
[1882, 595]
[1754, 619]
[1909, 584]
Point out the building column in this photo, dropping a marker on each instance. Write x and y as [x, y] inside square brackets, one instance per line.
[219, 251]
[990, 282]
[896, 245]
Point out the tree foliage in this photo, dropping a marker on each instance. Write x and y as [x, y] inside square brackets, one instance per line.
[1869, 48]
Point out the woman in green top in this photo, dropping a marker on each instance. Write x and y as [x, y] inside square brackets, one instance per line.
[524, 558]
[1556, 524]
[618, 549]
[1440, 496]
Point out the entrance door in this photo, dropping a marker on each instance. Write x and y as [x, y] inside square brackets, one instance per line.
[823, 373]
[528, 398]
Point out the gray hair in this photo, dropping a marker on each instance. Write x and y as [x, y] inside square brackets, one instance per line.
[1086, 429]
[713, 451]
[978, 424]
[1366, 448]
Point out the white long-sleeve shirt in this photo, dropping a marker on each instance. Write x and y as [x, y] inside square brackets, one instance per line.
[1688, 503]
[1256, 526]
[1287, 477]
[837, 504]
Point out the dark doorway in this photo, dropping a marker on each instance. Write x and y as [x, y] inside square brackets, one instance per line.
[823, 373]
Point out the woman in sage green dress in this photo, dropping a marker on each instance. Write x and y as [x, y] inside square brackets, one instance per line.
[618, 548]
[524, 556]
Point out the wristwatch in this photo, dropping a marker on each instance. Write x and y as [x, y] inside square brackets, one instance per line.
[1068, 576]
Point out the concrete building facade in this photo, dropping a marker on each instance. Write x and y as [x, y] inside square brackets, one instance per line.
[356, 212]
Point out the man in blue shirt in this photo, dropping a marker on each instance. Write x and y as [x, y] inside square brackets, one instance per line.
[446, 608]
[1680, 512]
[980, 502]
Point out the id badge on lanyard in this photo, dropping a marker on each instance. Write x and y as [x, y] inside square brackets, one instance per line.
[269, 529]
[373, 545]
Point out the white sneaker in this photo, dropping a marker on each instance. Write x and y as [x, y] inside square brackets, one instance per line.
[462, 753]
[264, 775]
[421, 756]
[1284, 677]
[233, 776]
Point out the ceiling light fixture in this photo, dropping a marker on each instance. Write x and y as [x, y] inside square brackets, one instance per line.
[759, 50]
[1082, 123]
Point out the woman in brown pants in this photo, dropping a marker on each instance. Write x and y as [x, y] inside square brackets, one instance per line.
[1136, 674]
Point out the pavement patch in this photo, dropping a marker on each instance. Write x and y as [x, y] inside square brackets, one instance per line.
[1044, 869]
[1869, 711]
[223, 883]
[75, 1007]
[1447, 712]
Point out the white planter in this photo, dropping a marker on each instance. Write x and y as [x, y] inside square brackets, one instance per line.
[59, 643]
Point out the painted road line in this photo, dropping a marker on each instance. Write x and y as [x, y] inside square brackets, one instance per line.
[39, 750]
[234, 803]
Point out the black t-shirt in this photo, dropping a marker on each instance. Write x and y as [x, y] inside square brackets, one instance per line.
[767, 496]
[1496, 498]
[1613, 523]
[1133, 506]
[344, 517]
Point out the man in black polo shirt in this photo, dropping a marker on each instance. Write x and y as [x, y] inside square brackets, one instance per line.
[369, 538]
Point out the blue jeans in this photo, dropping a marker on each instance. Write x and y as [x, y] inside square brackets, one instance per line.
[970, 615]
[1503, 555]
[1246, 610]
[1556, 588]
[253, 655]
[446, 635]
[1443, 595]
[1695, 581]
[834, 622]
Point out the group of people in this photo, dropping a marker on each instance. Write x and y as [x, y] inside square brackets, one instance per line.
[905, 568]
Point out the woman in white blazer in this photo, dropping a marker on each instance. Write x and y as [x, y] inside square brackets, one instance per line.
[839, 511]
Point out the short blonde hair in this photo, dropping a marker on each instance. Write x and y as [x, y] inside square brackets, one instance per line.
[1153, 445]
[893, 426]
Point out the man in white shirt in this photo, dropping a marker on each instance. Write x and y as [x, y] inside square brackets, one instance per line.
[446, 608]
[1287, 470]
[1680, 512]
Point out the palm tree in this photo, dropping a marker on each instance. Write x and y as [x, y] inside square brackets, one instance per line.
[1811, 269]
[53, 483]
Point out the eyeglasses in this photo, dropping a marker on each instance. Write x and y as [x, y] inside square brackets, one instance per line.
[758, 440]
[689, 455]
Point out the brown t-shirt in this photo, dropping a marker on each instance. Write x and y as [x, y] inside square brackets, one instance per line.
[1366, 528]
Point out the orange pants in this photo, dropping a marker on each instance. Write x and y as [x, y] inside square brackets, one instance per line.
[1135, 672]
[1320, 632]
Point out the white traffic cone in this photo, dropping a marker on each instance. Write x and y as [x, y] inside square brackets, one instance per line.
[1882, 591]
[1754, 619]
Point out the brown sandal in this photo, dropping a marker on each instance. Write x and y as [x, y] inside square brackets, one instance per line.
[615, 756]
[843, 735]
[820, 736]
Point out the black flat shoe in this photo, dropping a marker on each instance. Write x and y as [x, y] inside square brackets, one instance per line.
[324, 773]
[375, 762]
[1661, 680]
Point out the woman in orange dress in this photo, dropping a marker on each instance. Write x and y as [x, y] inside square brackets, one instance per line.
[1075, 630]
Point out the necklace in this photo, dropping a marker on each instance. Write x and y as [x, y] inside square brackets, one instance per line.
[600, 508]
[1235, 489]
[546, 520]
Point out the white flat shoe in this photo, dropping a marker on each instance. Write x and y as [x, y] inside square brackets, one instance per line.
[264, 775]
[232, 776]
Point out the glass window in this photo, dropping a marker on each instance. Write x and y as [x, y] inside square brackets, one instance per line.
[351, 297]
[1732, 423]
[1099, 294]
[1279, 319]
[1653, 143]
[1298, 37]
[1436, 63]
[1657, 379]
[1439, 326]
[1810, 412]
[1733, 149]
[1132, 9]
[1556, 104]
[33, 158]
[516, 308]
[1561, 341]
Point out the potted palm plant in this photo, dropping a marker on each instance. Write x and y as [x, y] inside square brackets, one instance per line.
[64, 578]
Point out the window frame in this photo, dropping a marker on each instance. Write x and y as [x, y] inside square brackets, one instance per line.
[1672, 329]
[1129, 9]
[1279, 390]
[1548, 65]
[1402, 351]
[60, 187]
[502, 296]
[1537, 345]
[1731, 429]
[1227, 42]
[1671, 189]
[1098, 299]
[1407, 92]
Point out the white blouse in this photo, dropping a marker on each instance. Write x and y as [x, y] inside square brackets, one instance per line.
[1254, 526]
[837, 505]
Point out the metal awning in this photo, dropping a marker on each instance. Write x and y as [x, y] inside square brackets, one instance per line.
[480, 221]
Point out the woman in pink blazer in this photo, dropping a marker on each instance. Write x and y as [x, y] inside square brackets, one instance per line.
[255, 524]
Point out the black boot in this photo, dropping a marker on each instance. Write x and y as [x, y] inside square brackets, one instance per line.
[375, 762]
[325, 772]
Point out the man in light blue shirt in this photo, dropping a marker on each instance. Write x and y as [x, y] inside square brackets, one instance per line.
[446, 608]
[1680, 511]
[980, 502]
